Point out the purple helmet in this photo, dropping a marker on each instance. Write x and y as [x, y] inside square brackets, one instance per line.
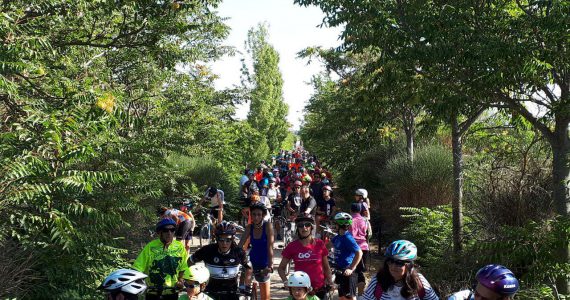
[499, 279]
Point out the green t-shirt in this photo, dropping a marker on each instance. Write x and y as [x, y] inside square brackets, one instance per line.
[163, 265]
[308, 298]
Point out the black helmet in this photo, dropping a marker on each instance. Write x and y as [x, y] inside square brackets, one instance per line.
[212, 191]
[304, 219]
[258, 205]
[225, 228]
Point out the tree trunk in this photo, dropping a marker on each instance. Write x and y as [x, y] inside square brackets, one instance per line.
[457, 205]
[561, 190]
[409, 119]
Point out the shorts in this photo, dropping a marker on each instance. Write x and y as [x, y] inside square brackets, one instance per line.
[214, 212]
[321, 293]
[346, 284]
[184, 230]
[260, 276]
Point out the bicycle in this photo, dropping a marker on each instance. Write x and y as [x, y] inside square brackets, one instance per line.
[206, 230]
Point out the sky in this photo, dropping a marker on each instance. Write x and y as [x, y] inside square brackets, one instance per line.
[291, 29]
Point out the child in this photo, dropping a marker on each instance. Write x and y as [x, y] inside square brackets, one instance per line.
[347, 255]
[299, 285]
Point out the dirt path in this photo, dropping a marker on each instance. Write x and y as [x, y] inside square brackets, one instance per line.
[277, 291]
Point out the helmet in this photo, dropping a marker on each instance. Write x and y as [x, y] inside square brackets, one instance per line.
[402, 250]
[327, 188]
[298, 183]
[225, 228]
[125, 280]
[343, 218]
[361, 192]
[250, 172]
[270, 174]
[499, 279]
[212, 191]
[199, 273]
[299, 279]
[307, 178]
[164, 222]
[258, 205]
[305, 219]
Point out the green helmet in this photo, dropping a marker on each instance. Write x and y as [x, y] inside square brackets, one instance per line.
[343, 218]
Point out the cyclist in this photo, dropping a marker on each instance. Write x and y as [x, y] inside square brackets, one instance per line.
[184, 224]
[196, 284]
[124, 284]
[347, 256]
[310, 256]
[308, 205]
[299, 285]
[399, 278]
[294, 200]
[164, 261]
[494, 282]
[216, 198]
[223, 260]
[326, 209]
[361, 196]
[317, 188]
[260, 235]
[360, 231]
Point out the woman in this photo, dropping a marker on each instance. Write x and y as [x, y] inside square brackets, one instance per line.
[260, 235]
[310, 256]
[399, 278]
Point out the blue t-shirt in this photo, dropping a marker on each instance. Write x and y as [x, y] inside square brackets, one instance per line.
[345, 248]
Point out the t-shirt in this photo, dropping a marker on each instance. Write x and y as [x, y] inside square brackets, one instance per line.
[358, 229]
[294, 200]
[317, 190]
[345, 248]
[393, 293]
[180, 215]
[224, 268]
[462, 295]
[308, 204]
[327, 206]
[163, 265]
[308, 259]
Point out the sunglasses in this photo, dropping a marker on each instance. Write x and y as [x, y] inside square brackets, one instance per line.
[169, 229]
[306, 224]
[191, 285]
[297, 187]
[225, 240]
[399, 263]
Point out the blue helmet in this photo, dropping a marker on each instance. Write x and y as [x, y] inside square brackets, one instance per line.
[165, 222]
[402, 250]
[499, 279]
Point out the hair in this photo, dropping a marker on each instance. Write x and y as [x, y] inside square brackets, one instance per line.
[411, 281]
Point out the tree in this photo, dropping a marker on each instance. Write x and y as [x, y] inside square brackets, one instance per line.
[268, 111]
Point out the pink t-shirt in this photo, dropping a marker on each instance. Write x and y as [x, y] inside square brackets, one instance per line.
[358, 230]
[308, 259]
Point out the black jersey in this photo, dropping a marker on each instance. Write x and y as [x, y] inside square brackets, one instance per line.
[224, 268]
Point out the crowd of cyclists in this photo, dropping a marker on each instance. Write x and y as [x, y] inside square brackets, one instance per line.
[289, 196]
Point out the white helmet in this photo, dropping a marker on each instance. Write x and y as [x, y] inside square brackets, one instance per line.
[125, 280]
[362, 192]
[199, 273]
[299, 279]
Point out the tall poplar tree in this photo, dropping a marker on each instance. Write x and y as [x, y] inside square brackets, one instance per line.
[268, 111]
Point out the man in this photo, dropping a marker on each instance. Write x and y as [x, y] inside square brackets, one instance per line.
[223, 260]
[164, 260]
[216, 199]
[308, 206]
[294, 200]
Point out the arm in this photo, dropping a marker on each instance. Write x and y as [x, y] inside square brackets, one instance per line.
[245, 237]
[220, 211]
[327, 271]
[354, 263]
[282, 269]
[270, 240]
